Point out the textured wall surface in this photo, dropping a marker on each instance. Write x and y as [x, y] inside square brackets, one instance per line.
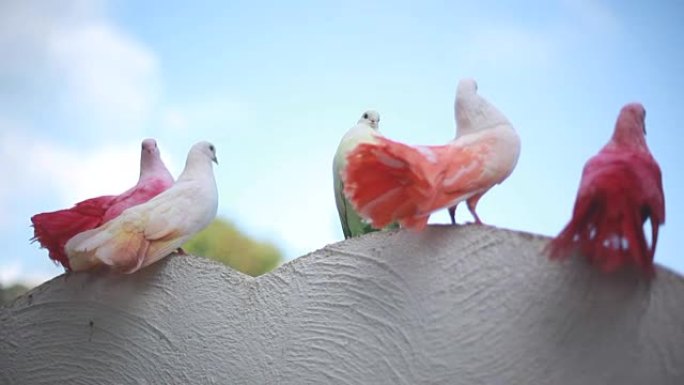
[451, 305]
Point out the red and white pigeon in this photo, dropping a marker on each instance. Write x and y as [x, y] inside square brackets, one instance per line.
[389, 181]
[621, 188]
[148, 232]
[53, 229]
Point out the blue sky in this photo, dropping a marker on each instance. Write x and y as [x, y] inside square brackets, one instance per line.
[274, 85]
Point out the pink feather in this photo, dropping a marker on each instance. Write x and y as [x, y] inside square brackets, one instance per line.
[621, 188]
[53, 229]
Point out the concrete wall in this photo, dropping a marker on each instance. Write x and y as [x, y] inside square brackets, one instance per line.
[451, 305]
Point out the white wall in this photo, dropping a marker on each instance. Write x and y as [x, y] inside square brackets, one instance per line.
[457, 305]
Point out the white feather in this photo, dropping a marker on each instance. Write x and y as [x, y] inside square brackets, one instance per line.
[146, 233]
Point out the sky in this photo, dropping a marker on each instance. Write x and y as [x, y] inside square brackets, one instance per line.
[275, 85]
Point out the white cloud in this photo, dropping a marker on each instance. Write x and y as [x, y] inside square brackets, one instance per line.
[71, 73]
[16, 272]
[82, 67]
[77, 175]
[26, 25]
[46, 176]
[73, 174]
[105, 70]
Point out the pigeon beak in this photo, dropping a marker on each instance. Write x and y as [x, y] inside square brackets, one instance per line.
[215, 160]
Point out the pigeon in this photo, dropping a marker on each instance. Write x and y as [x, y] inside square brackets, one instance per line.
[148, 232]
[363, 132]
[388, 181]
[621, 188]
[53, 229]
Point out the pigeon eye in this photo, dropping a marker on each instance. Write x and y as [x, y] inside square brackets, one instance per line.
[211, 147]
[365, 116]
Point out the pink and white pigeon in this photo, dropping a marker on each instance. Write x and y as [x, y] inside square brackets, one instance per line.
[146, 233]
[389, 181]
[53, 229]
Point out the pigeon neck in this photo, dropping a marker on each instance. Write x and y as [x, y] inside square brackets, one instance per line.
[475, 114]
[629, 134]
[196, 165]
[152, 167]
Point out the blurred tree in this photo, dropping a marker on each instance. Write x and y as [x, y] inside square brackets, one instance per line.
[8, 294]
[223, 242]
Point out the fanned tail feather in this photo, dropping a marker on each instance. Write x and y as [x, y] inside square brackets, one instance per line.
[121, 248]
[124, 252]
[415, 223]
[608, 232]
[577, 232]
[161, 248]
[81, 249]
[655, 226]
[387, 182]
[52, 230]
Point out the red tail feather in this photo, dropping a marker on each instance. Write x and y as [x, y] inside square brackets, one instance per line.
[387, 182]
[53, 230]
[414, 223]
[606, 226]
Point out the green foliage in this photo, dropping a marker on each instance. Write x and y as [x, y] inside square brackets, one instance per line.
[223, 242]
[8, 294]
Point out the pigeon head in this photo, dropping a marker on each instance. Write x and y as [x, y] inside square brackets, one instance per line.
[204, 150]
[633, 117]
[473, 112]
[370, 117]
[466, 86]
[149, 146]
[630, 127]
[150, 159]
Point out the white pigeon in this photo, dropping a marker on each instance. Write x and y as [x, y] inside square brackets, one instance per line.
[363, 132]
[389, 181]
[146, 233]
